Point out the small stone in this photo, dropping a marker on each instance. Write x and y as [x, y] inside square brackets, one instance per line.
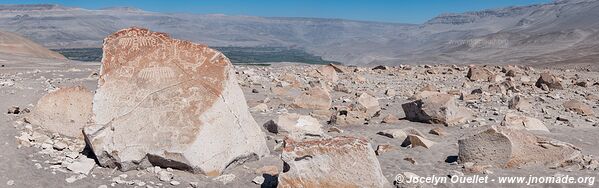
[390, 119]
[103, 186]
[139, 183]
[390, 93]
[563, 119]
[175, 183]
[416, 140]
[437, 131]
[258, 180]
[10, 182]
[14, 110]
[335, 129]
[165, 176]
[71, 179]
[394, 133]
[59, 145]
[410, 159]
[82, 166]
[383, 148]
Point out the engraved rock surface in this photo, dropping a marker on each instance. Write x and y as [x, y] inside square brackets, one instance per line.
[333, 162]
[65, 111]
[514, 148]
[170, 103]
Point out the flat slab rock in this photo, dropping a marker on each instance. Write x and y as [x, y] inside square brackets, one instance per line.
[506, 147]
[332, 162]
[65, 111]
[170, 103]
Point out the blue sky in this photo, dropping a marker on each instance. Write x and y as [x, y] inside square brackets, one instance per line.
[401, 11]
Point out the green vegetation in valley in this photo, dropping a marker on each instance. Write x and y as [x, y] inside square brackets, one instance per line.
[237, 55]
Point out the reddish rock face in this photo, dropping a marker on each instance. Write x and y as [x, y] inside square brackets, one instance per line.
[169, 102]
[332, 162]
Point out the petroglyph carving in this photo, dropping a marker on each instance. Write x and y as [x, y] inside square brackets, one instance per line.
[159, 103]
[157, 73]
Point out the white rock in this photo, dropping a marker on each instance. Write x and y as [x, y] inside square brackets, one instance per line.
[299, 126]
[165, 176]
[258, 180]
[83, 165]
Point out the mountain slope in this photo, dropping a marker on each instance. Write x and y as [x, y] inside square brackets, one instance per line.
[532, 34]
[13, 44]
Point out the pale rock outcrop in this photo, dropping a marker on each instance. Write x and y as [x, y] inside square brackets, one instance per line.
[315, 98]
[506, 147]
[522, 122]
[436, 108]
[331, 162]
[65, 111]
[170, 103]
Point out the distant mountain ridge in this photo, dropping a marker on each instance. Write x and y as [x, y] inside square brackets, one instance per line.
[563, 31]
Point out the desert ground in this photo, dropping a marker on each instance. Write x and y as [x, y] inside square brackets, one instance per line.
[271, 91]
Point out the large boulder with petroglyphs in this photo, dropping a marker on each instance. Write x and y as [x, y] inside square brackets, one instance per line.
[170, 103]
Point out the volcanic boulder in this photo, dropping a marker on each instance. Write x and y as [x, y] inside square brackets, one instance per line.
[65, 111]
[170, 103]
[513, 148]
[436, 108]
[332, 162]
